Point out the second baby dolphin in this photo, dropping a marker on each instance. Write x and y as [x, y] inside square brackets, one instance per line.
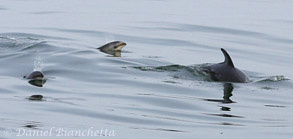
[113, 48]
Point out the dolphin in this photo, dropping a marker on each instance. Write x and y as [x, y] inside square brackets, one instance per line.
[225, 71]
[35, 75]
[36, 78]
[113, 48]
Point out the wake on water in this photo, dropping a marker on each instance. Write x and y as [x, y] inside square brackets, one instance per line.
[195, 73]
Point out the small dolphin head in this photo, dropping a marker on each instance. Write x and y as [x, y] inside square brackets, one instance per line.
[35, 75]
[113, 46]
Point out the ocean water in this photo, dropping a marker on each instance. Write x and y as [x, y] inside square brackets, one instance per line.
[153, 88]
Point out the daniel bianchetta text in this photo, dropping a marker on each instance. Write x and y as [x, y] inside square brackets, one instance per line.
[60, 132]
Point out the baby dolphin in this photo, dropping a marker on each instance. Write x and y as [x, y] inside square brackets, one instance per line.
[35, 75]
[113, 48]
[36, 78]
[225, 71]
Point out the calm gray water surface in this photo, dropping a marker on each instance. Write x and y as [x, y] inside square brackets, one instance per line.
[153, 89]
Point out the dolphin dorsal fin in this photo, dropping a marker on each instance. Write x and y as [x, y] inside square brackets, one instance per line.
[228, 59]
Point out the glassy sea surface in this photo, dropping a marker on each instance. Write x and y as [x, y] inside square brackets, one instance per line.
[153, 88]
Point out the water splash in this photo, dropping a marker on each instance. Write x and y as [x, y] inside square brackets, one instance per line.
[38, 63]
[276, 78]
[195, 72]
[17, 43]
[192, 72]
[168, 68]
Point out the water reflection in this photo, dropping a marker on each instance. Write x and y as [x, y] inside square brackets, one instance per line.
[228, 89]
[111, 52]
[37, 82]
[225, 108]
[32, 124]
[36, 98]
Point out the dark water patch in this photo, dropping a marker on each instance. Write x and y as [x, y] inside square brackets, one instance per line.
[169, 130]
[224, 101]
[269, 88]
[31, 126]
[223, 108]
[171, 82]
[46, 12]
[48, 99]
[228, 124]
[226, 115]
[159, 129]
[275, 106]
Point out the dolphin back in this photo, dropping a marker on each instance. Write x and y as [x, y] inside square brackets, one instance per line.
[225, 71]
